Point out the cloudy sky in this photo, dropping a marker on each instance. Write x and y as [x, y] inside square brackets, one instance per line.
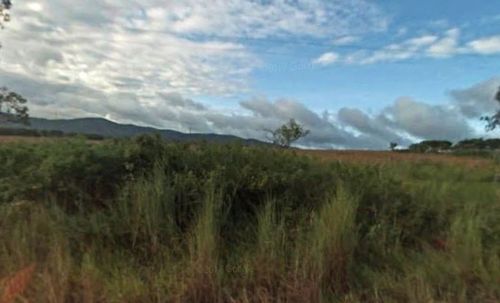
[357, 73]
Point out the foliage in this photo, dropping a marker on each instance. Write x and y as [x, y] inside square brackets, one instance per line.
[143, 220]
[393, 145]
[288, 133]
[26, 132]
[431, 146]
[4, 12]
[478, 144]
[12, 107]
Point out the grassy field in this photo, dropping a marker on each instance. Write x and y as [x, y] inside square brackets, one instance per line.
[14, 139]
[146, 221]
[382, 157]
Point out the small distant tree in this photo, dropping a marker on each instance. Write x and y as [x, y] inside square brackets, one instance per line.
[493, 121]
[288, 133]
[5, 6]
[393, 146]
[12, 107]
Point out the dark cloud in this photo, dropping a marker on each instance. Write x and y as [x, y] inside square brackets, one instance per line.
[426, 121]
[478, 100]
[375, 127]
[176, 99]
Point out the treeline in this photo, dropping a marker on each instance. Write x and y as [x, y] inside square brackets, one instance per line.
[464, 145]
[23, 132]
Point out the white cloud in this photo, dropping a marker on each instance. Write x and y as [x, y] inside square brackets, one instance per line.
[236, 18]
[427, 46]
[137, 61]
[327, 58]
[446, 46]
[345, 40]
[35, 6]
[403, 120]
[193, 46]
[397, 51]
[485, 46]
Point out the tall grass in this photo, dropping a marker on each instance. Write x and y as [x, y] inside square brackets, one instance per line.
[182, 223]
[328, 248]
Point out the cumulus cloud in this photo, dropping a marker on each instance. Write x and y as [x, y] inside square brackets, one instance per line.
[487, 46]
[147, 62]
[478, 100]
[374, 127]
[422, 120]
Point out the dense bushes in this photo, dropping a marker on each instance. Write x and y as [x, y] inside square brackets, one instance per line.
[144, 220]
[468, 146]
[28, 132]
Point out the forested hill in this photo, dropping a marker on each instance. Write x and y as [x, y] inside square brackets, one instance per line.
[106, 128]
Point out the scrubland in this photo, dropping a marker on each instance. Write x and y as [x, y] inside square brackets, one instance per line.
[147, 221]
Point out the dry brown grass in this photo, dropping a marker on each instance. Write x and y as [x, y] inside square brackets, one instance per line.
[381, 157]
[26, 139]
[16, 284]
[13, 139]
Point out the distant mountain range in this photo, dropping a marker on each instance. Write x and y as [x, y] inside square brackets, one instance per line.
[109, 129]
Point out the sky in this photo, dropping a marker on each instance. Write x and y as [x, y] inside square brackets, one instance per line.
[357, 73]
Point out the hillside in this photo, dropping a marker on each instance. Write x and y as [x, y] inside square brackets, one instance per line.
[106, 128]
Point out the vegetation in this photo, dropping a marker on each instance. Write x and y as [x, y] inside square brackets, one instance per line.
[464, 146]
[24, 132]
[431, 146]
[288, 133]
[146, 221]
[393, 145]
[12, 107]
[478, 144]
[5, 6]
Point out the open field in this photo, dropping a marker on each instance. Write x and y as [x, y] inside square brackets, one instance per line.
[147, 221]
[381, 157]
[10, 139]
[359, 156]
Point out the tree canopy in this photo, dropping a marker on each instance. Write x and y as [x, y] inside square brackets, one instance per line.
[4, 12]
[12, 107]
[431, 146]
[288, 133]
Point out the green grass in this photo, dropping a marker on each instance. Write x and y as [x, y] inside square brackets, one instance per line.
[146, 221]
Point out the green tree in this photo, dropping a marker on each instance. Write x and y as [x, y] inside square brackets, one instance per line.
[493, 121]
[4, 12]
[393, 146]
[288, 133]
[12, 107]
